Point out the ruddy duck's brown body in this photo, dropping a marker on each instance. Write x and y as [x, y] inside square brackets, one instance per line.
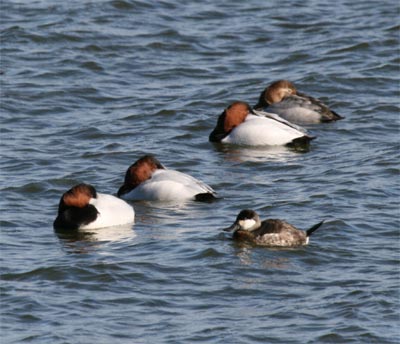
[271, 232]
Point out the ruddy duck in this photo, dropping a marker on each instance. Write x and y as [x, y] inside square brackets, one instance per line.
[271, 232]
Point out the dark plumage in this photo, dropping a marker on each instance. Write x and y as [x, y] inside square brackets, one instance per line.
[271, 232]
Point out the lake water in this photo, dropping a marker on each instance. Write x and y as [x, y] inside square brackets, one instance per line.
[90, 86]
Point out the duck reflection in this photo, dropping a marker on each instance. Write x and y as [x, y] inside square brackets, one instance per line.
[83, 240]
[259, 154]
[246, 251]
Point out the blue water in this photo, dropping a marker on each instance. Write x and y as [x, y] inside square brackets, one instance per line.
[88, 87]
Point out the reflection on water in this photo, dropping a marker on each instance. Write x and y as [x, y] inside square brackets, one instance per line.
[83, 241]
[239, 154]
[245, 251]
[161, 212]
[105, 84]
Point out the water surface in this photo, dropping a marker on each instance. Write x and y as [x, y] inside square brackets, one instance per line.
[89, 87]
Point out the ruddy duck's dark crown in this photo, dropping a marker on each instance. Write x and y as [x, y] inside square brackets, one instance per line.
[246, 214]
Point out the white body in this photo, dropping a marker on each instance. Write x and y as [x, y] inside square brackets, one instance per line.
[297, 109]
[262, 130]
[168, 185]
[112, 212]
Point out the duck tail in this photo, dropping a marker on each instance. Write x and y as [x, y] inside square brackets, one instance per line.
[301, 142]
[205, 197]
[332, 116]
[336, 116]
[314, 228]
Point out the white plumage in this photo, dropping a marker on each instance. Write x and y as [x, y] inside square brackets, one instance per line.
[168, 185]
[112, 211]
[262, 130]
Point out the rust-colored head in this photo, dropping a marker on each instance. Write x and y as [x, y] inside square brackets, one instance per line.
[275, 92]
[139, 172]
[75, 208]
[235, 114]
[78, 196]
[232, 116]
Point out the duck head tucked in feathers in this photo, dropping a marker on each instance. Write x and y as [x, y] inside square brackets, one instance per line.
[82, 207]
[281, 97]
[139, 172]
[148, 180]
[241, 125]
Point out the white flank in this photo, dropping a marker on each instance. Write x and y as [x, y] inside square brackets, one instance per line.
[112, 212]
[168, 185]
[262, 131]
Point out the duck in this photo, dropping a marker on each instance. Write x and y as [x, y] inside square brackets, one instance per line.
[148, 180]
[272, 232]
[82, 207]
[282, 98]
[240, 124]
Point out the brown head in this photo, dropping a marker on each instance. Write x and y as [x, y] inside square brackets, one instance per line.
[232, 116]
[275, 92]
[75, 209]
[139, 172]
[78, 196]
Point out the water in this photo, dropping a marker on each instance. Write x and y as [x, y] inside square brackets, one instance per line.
[88, 87]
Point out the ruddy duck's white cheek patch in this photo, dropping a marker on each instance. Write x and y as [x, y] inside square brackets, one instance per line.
[247, 224]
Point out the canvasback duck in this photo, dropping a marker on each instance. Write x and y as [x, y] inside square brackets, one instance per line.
[271, 232]
[148, 180]
[240, 124]
[282, 98]
[82, 207]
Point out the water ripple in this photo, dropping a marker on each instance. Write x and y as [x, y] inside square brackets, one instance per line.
[89, 87]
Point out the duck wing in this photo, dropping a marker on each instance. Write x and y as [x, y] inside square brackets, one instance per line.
[279, 119]
[165, 175]
[313, 104]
